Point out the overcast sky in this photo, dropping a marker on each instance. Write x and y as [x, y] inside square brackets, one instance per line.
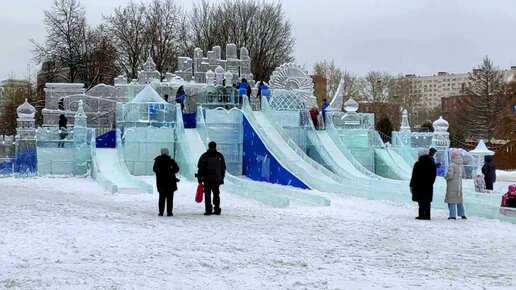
[396, 36]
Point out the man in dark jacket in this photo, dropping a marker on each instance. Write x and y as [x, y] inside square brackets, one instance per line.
[211, 171]
[489, 171]
[422, 183]
[165, 168]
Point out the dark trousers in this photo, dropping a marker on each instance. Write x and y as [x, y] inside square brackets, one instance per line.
[169, 196]
[489, 185]
[208, 189]
[424, 210]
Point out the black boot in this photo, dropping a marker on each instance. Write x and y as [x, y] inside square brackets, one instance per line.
[217, 211]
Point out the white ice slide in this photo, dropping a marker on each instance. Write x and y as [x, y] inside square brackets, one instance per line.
[268, 193]
[110, 166]
[400, 161]
[305, 169]
[345, 166]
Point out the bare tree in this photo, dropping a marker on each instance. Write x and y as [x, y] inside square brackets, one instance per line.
[13, 95]
[65, 42]
[352, 85]
[375, 91]
[128, 28]
[402, 91]
[163, 22]
[332, 74]
[100, 59]
[258, 25]
[479, 112]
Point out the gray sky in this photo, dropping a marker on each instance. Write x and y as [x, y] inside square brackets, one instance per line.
[396, 36]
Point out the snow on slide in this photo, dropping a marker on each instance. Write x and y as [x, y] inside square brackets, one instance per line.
[337, 155]
[289, 158]
[400, 161]
[195, 144]
[109, 166]
[385, 156]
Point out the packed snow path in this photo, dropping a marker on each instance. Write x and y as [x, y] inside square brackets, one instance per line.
[68, 233]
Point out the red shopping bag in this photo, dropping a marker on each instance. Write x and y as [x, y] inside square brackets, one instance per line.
[199, 193]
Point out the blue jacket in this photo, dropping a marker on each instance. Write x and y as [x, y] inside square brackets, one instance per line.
[325, 107]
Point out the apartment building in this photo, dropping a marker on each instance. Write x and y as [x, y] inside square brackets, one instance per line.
[433, 88]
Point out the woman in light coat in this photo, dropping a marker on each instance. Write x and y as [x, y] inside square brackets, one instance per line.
[454, 187]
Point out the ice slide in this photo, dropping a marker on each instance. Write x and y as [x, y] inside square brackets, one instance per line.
[394, 168]
[295, 160]
[191, 146]
[340, 163]
[400, 162]
[109, 170]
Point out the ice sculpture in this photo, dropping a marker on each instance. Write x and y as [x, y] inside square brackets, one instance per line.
[25, 161]
[81, 154]
[148, 124]
[338, 98]
[479, 152]
[291, 76]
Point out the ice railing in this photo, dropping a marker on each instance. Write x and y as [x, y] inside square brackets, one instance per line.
[51, 136]
[125, 172]
[325, 180]
[268, 193]
[96, 174]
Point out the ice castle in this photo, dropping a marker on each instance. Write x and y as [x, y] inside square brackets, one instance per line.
[273, 151]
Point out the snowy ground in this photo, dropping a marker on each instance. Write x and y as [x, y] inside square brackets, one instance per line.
[60, 233]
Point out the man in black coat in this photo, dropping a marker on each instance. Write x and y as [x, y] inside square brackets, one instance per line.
[211, 171]
[489, 171]
[422, 183]
[165, 168]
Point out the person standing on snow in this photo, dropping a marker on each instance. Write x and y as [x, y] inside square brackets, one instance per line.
[422, 183]
[489, 171]
[165, 168]
[211, 172]
[454, 197]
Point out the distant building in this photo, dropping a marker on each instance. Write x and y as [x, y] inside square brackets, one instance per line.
[444, 84]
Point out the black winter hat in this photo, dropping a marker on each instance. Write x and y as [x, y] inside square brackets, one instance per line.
[212, 145]
[432, 151]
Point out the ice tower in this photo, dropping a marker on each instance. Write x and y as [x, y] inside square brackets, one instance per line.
[441, 142]
[25, 162]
